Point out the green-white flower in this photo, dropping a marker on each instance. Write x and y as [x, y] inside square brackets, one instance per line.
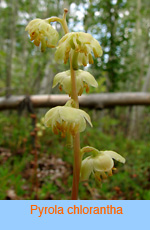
[79, 43]
[99, 163]
[83, 79]
[41, 32]
[66, 120]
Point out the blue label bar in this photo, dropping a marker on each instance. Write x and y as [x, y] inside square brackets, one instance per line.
[74, 215]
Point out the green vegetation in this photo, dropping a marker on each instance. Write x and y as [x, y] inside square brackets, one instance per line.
[123, 30]
[130, 181]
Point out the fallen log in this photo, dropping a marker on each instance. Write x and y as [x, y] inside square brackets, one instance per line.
[96, 101]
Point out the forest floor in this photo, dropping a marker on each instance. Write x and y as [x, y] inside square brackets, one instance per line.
[20, 178]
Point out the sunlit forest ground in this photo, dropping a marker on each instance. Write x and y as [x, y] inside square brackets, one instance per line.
[54, 171]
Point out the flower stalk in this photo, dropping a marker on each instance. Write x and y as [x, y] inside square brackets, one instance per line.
[74, 96]
[76, 138]
[69, 120]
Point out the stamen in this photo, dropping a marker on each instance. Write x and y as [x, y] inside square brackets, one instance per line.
[110, 173]
[36, 42]
[87, 88]
[80, 91]
[64, 125]
[85, 49]
[63, 134]
[95, 53]
[114, 169]
[60, 87]
[90, 59]
[97, 176]
[58, 125]
[103, 174]
[72, 129]
[55, 130]
[84, 61]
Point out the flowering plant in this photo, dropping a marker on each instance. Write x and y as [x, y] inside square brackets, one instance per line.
[69, 120]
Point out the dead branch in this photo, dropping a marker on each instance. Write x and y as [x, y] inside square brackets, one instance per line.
[96, 101]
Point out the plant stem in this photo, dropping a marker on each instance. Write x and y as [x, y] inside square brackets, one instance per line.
[76, 167]
[62, 21]
[76, 139]
[54, 19]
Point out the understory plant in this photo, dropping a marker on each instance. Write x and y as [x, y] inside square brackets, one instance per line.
[69, 120]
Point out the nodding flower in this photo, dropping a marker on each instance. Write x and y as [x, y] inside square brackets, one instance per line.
[83, 80]
[79, 44]
[66, 120]
[99, 163]
[41, 32]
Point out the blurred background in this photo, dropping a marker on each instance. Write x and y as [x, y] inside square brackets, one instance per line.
[34, 163]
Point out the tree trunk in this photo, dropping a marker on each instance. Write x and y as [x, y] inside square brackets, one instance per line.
[11, 47]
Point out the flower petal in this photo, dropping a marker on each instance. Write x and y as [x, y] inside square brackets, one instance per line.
[115, 156]
[88, 149]
[51, 116]
[97, 50]
[87, 117]
[102, 162]
[60, 77]
[87, 77]
[77, 116]
[86, 168]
